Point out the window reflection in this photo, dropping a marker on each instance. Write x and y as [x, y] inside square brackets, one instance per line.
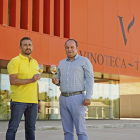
[4, 96]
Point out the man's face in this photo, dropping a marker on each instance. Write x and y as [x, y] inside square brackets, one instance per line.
[71, 49]
[26, 47]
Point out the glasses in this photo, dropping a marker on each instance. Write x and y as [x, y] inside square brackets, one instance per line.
[53, 69]
[40, 69]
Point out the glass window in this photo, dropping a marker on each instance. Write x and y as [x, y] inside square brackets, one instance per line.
[4, 95]
[105, 100]
[49, 96]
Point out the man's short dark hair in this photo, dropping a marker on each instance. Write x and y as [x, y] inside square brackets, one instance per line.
[72, 40]
[24, 38]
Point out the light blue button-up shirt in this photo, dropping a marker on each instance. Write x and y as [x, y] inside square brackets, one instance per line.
[76, 75]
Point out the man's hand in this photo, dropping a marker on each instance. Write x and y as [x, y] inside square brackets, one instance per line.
[36, 77]
[39, 106]
[86, 102]
[55, 80]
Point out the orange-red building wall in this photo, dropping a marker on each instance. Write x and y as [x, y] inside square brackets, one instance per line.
[95, 24]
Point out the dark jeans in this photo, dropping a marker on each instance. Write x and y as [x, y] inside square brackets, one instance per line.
[30, 113]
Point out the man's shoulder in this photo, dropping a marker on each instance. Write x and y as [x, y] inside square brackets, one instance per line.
[34, 60]
[15, 59]
[63, 60]
[83, 58]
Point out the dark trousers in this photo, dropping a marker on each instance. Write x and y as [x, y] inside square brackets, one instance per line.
[30, 113]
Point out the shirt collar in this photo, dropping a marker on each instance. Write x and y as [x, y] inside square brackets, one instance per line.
[76, 56]
[24, 57]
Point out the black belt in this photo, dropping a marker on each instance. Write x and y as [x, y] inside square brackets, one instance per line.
[70, 94]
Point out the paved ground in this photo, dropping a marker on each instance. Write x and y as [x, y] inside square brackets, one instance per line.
[96, 134]
[124, 129]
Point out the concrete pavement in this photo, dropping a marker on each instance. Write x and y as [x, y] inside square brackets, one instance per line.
[123, 129]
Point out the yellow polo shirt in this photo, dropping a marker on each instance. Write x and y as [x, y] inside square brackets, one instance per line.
[23, 93]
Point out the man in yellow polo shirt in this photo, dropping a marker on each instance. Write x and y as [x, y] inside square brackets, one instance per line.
[25, 97]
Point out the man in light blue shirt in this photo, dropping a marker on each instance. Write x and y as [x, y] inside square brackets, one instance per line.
[74, 76]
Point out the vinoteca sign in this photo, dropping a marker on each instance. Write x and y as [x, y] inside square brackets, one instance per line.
[108, 60]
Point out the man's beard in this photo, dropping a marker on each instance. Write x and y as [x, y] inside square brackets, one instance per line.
[27, 53]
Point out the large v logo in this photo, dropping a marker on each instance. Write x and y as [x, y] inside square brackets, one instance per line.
[122, 27]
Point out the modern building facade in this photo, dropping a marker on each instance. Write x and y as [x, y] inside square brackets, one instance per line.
[108, 34]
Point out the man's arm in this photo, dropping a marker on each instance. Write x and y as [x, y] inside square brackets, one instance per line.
[39, 105]
[16, 81]
[89, 77]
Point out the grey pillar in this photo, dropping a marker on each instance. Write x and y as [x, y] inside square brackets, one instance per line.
[52, 116]
[111, 98]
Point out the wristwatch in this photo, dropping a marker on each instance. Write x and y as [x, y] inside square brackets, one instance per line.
[38, 100]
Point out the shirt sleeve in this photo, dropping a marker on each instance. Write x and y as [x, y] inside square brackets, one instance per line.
[89, 78]
[13, 67]
[58, 75]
